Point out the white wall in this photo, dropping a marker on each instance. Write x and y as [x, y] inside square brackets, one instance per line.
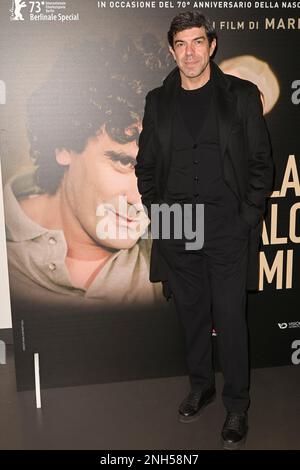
[5, 313]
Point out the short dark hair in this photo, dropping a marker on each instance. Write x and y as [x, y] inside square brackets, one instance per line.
[91, 85]
[191, 19]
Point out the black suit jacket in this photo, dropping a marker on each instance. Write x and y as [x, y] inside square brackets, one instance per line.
[244, 145]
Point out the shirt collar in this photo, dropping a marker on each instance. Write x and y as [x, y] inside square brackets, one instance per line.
[19, 226]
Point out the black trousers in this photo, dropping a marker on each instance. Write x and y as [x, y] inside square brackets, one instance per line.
[209, 290]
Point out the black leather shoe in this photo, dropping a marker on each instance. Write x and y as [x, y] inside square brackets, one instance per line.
[234, 431]
[192, 406]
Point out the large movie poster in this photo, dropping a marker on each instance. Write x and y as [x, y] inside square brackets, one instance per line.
[73, 80]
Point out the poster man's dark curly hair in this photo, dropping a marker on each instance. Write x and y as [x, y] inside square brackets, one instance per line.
[91, 85]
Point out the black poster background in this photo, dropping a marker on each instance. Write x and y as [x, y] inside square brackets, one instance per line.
[88, 345]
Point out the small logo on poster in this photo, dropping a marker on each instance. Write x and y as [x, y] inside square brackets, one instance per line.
[291, 324]
[16, 10]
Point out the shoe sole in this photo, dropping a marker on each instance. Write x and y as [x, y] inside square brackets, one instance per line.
[234, 445]
[189, 419]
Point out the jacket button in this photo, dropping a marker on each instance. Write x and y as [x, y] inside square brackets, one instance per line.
[196, 178]
[195, 146]
[195, 162]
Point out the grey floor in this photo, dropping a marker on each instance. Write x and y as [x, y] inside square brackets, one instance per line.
[142, 415]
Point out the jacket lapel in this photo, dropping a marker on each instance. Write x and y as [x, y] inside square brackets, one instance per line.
[167, 111]
[225, 103]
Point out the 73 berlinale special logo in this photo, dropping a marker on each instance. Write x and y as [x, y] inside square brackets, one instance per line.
[43, 11]
[16, 10]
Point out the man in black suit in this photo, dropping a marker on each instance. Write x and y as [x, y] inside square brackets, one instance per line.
[204, 141]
